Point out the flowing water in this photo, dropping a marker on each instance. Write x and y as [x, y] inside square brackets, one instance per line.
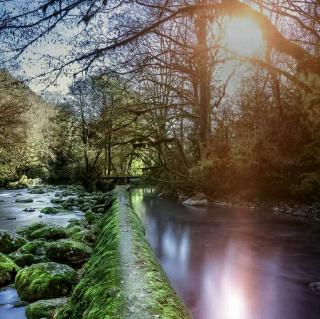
[13, 216]
[235, 263]
[224, 263]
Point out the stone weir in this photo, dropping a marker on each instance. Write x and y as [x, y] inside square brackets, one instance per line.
[123, 278]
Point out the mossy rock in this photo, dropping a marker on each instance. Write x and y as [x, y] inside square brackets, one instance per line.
[68, 251]
[43, 230]
[36, 247]
[10, 241]
[77, 222]
[73, 229]
[57, 200]
[22, 260]
[37, 191]
[24, 200]
[67, 205]
[45, 308]
[8, 270]
[91, 217]
[30, 253]
[49, 210]
[45, 281]
[68, 193]
[85, 236]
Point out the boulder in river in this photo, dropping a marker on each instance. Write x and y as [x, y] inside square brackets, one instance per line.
[57, 200]
[43, 230]
[29, 210]
[24, 200]
[68, 251]
[22, 260]
[45, 308]
[49, 210]
[10, 241]
[45, 281]
[197, 200]
[8, 270]
[30, 253]
[37, 190]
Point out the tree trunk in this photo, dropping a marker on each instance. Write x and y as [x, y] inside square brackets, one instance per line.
[204, 80]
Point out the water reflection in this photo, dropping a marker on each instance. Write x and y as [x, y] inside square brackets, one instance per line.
[235, 264]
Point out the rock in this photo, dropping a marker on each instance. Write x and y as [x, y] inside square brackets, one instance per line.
[30, 253]
[37, 191]
[67, 205]
[73, 229]
[197, 200]
[85, 236]
[10, 241]
[44, 308]
[91, 217]
[24, 200]
[22, 260]
[43, 230]
[68, 193]
[36, 247]
[68, 251]
[49, 210]
[45, 281]
[8, 270]
[57, 200]
[29, 210]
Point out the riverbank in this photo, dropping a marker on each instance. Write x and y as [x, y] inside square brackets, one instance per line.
[311, 211]
[105, 250]
[124, 277]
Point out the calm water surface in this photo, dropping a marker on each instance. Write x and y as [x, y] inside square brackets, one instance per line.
[235, 263]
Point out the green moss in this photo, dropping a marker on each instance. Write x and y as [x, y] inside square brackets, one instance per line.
[56, 200]
[92, 217]
[10, 241]
[45, 281]
[98, 295]
[43, 230]
[36, 247]
[85, 236]
[22, 259]
[68, 251]
[49, 210]
[44, 308]
[8, 270]
[105, 288]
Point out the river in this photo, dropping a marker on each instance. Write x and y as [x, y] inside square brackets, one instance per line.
[13, 216]
[235, 263]
[225, 263]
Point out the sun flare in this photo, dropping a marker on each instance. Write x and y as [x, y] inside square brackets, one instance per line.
[243, 37]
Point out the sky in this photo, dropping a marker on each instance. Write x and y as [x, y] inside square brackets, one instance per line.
[242, 37]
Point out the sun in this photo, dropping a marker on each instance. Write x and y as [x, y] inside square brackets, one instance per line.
[243, 37]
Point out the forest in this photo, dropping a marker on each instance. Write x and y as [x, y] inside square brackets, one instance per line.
[162, 156]
[166, 95]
